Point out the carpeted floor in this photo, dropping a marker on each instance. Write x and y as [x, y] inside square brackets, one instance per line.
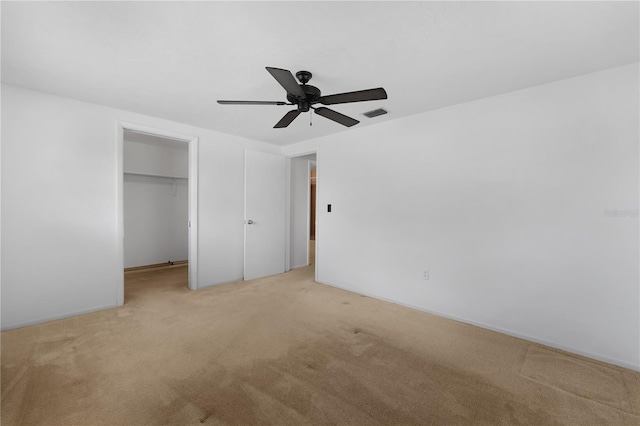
[286, 350]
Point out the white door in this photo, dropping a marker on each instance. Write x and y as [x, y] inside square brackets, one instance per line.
[264, 214]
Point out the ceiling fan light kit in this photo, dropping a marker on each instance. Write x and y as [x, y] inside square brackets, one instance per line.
[304, 96]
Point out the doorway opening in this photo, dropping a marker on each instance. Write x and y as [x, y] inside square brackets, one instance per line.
[303, 223]
[312, 212]
[157, 206]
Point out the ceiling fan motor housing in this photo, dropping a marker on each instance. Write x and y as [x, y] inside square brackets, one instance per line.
[312, 97]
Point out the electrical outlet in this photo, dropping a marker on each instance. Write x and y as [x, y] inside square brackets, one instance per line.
[425, 275]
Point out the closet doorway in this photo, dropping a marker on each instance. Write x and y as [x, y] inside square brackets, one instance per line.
[303, 231]
[157, 197]
[312, 212]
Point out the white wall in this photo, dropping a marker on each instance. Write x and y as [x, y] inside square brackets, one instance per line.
[155, 160]
[504, 200]
[155, 220]
[59, 218]
[299, 204]
[155, 208]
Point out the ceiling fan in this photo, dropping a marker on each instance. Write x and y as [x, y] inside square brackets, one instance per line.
[305, 96]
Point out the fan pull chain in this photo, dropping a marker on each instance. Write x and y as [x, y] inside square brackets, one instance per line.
[310, 119]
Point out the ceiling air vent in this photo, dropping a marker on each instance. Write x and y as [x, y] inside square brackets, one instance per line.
[375, 112]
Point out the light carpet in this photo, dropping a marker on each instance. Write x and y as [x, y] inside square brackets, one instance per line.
[286, 350]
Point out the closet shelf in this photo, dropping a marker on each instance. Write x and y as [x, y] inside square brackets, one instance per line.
[154, 175]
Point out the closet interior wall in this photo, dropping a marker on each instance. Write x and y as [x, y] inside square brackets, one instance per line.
[155, 200]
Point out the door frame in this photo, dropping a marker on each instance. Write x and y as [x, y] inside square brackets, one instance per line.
[288, 213]
[121, 126]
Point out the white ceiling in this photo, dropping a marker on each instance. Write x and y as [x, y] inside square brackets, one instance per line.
[175, 59]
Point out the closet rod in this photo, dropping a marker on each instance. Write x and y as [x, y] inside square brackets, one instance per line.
[152, 175]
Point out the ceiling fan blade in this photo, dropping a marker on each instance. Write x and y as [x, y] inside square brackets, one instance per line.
[359, 96]
[336, 116]
[252, 103]
[288, 81]
[287, 119]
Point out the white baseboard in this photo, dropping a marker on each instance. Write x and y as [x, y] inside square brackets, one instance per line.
[577, 351]
[55, 317]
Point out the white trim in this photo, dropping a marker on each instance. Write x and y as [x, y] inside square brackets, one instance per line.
[193, 213]
[119, 278]
[56, 317]
[153, 131]
[121, 126]
[306, 257]
[317, 232]
[302, 154]
[287, 219]
[588, 354]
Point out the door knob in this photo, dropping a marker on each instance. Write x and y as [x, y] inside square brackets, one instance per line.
[249, 222]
